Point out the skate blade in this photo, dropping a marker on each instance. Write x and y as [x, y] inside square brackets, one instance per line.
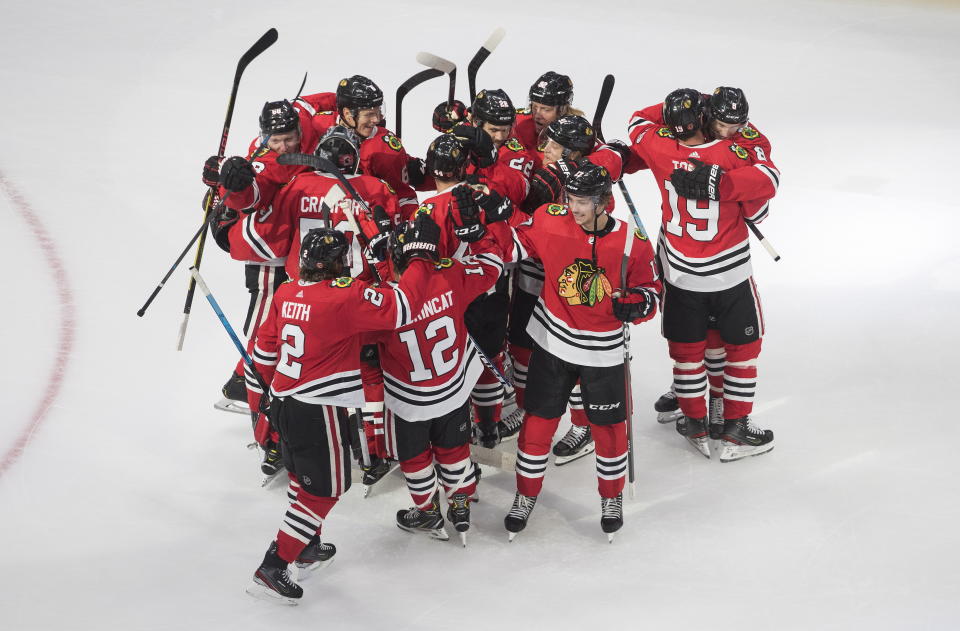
[732, 452]
[669, 417]
[610, 536]
[700, 444]
[267, 479]
[261, 592]
[511, 536]
[440, 534]
[463, 539]
[229, 405]
[304, 571]
[562, 460]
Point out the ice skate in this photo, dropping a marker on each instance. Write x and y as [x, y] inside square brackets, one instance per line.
[510, 426]
[234, 396]
[272, 581]
[509, 401]
[668, 410]
[379, 468]
[576, 443]
[695, 431]
[315, 556]
[485, 433]
[716, 417]
[272, 464]
[516, 519]
[741, 439]
[426, 520]
[611, 515]
[459, 515]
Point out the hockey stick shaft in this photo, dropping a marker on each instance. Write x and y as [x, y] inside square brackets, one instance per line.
[627, 379]
[605, 91]
[763, 241]
[481, 56]
[266, 41]
[406, 86]
[166, 276]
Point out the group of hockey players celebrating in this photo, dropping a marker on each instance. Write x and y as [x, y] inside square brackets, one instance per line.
[392, 331]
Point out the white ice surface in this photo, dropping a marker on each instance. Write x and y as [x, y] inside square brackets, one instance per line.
[135, 504]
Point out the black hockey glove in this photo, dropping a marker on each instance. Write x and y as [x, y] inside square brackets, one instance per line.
[495, 206]
[236, 174]
[469, 229]
[444, 118]
[211, 171]
[701, 183]
[620, 147]
[416, 172]
[421, 240]
[378, 243]
[546, 184]
[634, 304]
[478, 142]
[221, 219]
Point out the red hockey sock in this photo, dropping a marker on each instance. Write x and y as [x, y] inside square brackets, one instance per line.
[740, 379]
[533, 446]
[487, 395]
[521, 360]
[457, 471]
[715, 357]
[303, 520]
[421, 477]
[689, 377]
[611, 454]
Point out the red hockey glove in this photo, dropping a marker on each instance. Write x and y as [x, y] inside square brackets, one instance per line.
[211, 171]
[445, 118]
[635, 303]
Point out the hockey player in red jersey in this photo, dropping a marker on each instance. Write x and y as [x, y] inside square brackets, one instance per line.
[577, 326]
[704, 251]
[314, 372]
[430, 366]
[551, 96]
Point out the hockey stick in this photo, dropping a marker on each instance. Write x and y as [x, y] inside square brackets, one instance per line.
[481, 56]
[166, 276]
[605, 91]
[266, 41]
[763, 240]
[627, 379]
[409, 84]
[445, 66]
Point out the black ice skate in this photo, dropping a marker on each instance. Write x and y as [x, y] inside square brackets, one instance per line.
[379, 468]
[741, 438]
[272, 463]
[695, 431]
[716, 417]
[315, 556]
[485, 433]
[576, 443]
[510, 426]
[611, 515]
[459, 515]
[426, 520]
[668, 410]
[516, 519]
[272, 581]
[234, 396]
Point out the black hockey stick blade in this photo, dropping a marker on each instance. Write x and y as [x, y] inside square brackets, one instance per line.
[443, 65]
[409, 84]
[605, 91]
[303, 83]
[488, 47]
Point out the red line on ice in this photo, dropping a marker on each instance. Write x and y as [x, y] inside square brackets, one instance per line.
[67, 322]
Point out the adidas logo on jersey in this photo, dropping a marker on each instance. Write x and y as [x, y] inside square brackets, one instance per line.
[694, 155]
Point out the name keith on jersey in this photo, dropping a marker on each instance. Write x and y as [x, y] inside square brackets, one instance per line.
[295, 311]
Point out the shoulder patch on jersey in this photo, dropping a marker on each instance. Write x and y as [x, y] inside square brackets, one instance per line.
[444, 263]
[749, 132]
[664, 132]
[325, 113]
[523, 110]
[343, 281]
[556, 210]
[424, 209]
[638, 233]
[514, 145]
[261, 152]
[389, 188]
[393, 142]
[739, 151]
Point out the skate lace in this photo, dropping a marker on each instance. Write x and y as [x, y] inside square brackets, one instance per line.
[751, 428]
[611, 507]
[522, 505]
[284, 579]
[513, 421]
[574, 435]
[670, 395]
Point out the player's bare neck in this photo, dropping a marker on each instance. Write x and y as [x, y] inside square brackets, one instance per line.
[443, 185]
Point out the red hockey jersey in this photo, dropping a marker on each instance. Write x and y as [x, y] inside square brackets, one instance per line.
[573, 318]
[510, 174]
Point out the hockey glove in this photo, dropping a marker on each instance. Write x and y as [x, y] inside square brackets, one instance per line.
[495, 206]
[211, 171]
[546, 184]
[634, 304]
[469, 229]
[378, 243]
[421, 240]
[701, 183]
[620, 147]
[478, 142]
[221, 219]
[236, 174]
[444, 118]
[416, 172]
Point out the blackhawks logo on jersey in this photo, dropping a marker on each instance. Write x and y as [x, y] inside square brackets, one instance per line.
[583, 283]
[424, 209]
[393, 142]
[523, 110]
[556, 210]
[638, 233]
[389, 188]
[343, 281]
[749, 132]
[514, 145]
[739, 151]
[664, 132]
[326, 113]
[444, 263]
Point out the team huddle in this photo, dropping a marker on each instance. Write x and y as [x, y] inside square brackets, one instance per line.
[391, 330]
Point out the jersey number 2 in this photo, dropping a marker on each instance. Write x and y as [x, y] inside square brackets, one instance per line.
[292, 336]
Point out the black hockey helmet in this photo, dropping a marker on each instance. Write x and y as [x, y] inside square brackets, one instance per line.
[729, 105]
[357, 93]
[589, 180]
[447, 158]
[321, 248]
[494, 107]
[552, 88]
[573, 133]
[341, 146]
[278, 117]
[683, 112]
